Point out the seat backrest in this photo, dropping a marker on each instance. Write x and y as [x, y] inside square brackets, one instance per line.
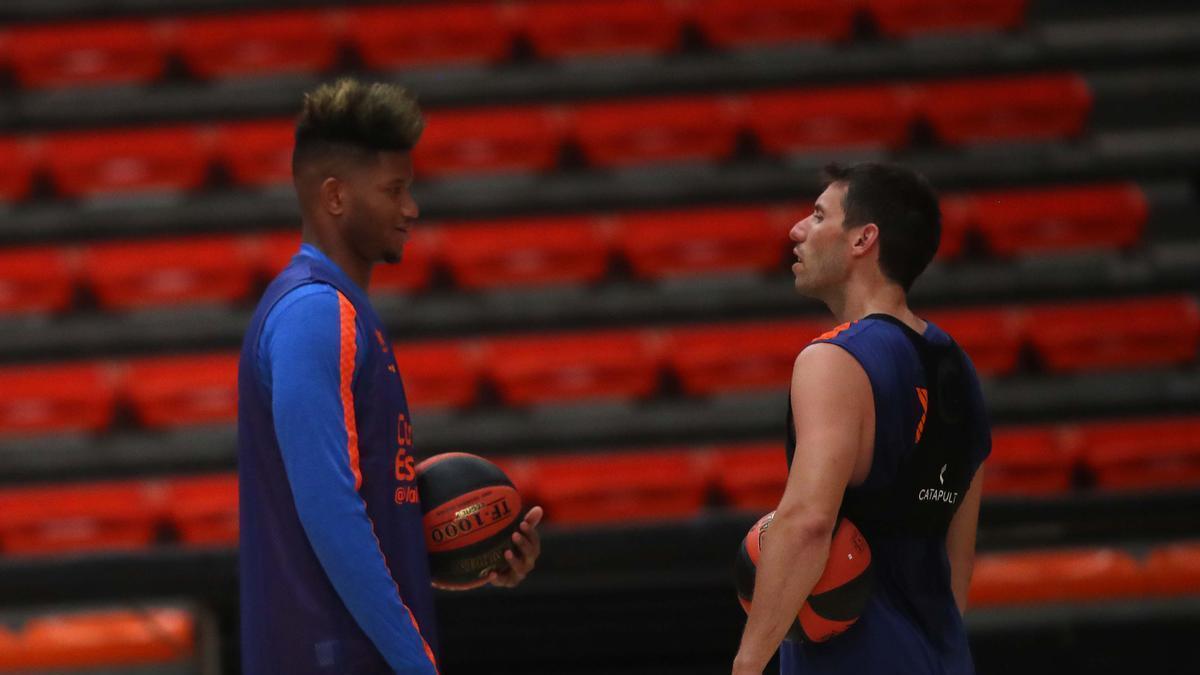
[127, 161]
[170, 391]
[88, 53]
[259, 43]
[525, 252]
[408, 36]
[136, 274]
[660, 130]
[733, 24]
[68, 397]
[36, 279]
[707, 241]
[570, 28]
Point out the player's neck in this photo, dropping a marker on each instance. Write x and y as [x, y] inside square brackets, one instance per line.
[335, 249]
[860, 298]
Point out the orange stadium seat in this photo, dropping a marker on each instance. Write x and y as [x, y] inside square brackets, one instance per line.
[619, 487]
[17, 178]
[731, 24]
[1174, 570]
[100, 163]
[563, 368]
[204, 509]
[1055, 576]
[788, 122]
[438, 374]
[257, 153]
[1035, 107]
[36, 279]
[388, 38]
[625, 133]
[137, 274]
[1116, 334]
[1058, 219]
[751, 476]
[905, 18]
[118, 639]
[725, 358]
[261, 43]
[55, 398]
[520, 471]
[86, 516]
[661, 244]
[181, 390]
[990, 337]
[1138, 454]
[496, 140]
[88, 53]
[571, 28]
[1028, 461]
[525, 252]
[275, 250]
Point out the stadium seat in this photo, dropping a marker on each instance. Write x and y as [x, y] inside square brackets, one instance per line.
[726, 358]
[57, 398]
[1034, 107]
[627, 133]
[520, 471]
[990, 337]
[1055, 576]
[790, 122]
[438, 374]
[36, 279]
[525, 252]
[572, 367]
[906, 18]
[750, 476]
[88, 53]
[734, 24]
[115, 639]
[257, 154]
[619, 487]
[171, 391]
[275, 251]
[571, 28]
[1129, 333]
[87, 516]
[958, 218]
[1028, 461]
[1174, 570]
[389, 38]
[137, 274]
[16, 180]
[262, 43]
[496, 140]
[204, 509]
[702, 242]
[1061, 219]
[415, 272]
[1139, 454]
[127, 161]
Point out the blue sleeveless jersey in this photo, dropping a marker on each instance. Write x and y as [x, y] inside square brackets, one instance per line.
[911, 625]
[334, 569]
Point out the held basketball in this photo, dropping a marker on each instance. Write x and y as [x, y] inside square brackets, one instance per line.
[839, 595]
[470, 511]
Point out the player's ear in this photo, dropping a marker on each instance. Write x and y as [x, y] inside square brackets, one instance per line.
[863, 238]
[333, 196]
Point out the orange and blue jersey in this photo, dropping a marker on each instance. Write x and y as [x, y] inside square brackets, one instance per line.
[334, 569]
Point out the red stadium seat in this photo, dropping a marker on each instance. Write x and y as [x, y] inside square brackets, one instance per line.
[564, 368]
[619, 487]
[1028, 461]
[1036, 107]
[627, 133]
[1174, 570]
[905, 18]
[520, 471]
[263, 43]
[438, 374]
[137, 274]
[538, 252]
[788, 122]
[1055, 576]
[698, 242]
[990, 337]
[725, 358]
[415, 271]
[55, 398]
[751, 476]
[958, 218]
[181, 390]
[99, 163]
[257, 154]
[1158, 453]
[116, 639]
[62, 518]
[498, 140]
[36, 279]
[88, 53]
[17, 178]
[388, 38]
[732, 24]
[1116, 334]
[204, 509]
[570, 28]
[1059, 219]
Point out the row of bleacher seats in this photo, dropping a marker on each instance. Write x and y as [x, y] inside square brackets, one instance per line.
[420, 35]
[613, 365]
[549, 251]
[79, 640]
[610, 134]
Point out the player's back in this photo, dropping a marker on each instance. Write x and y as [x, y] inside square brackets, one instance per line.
[931, 434]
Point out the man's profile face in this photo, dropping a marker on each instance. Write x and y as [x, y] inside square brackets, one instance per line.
[821, 244]
[382, 208]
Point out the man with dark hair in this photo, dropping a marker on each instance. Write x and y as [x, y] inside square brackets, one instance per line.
[334, 569]
[886, 427]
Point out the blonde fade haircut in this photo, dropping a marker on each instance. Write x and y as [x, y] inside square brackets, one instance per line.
[352, 120]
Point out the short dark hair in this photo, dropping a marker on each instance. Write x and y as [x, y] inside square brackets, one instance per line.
[902, 204]
[351, 117]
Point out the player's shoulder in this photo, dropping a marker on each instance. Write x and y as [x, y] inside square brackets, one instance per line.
[863, 332]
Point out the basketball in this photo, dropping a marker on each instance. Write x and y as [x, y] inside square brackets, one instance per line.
[470, 510]
[839, 595]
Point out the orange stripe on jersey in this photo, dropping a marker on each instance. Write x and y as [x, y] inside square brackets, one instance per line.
[923, 397]
[347, 353]
[833, 333]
